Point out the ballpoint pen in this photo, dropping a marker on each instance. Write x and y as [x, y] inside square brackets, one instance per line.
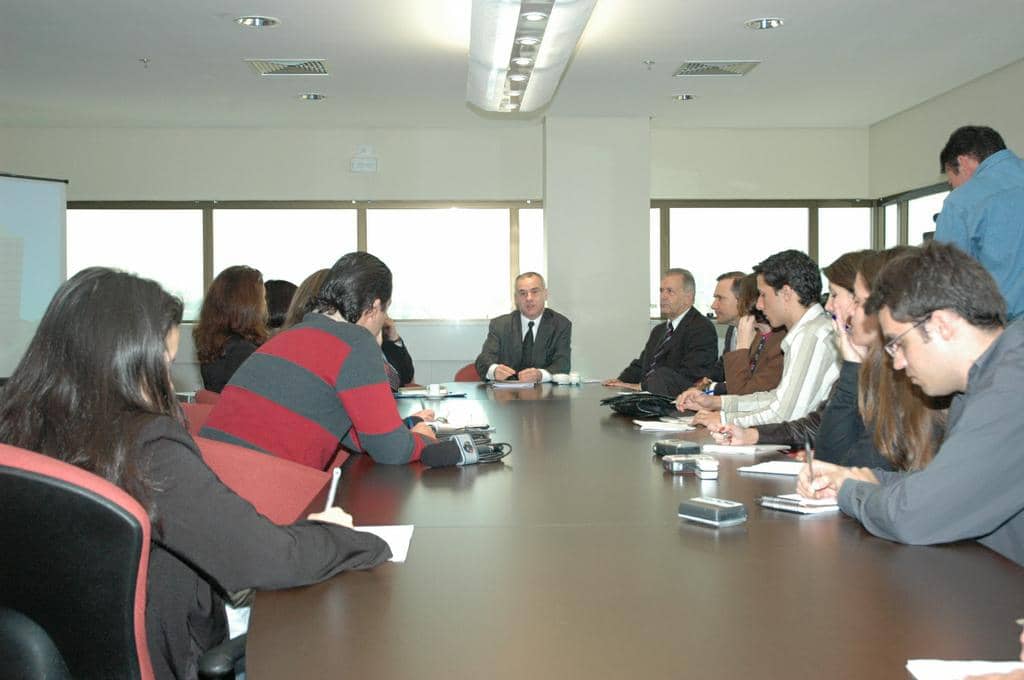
[809, 455]
[335, 476]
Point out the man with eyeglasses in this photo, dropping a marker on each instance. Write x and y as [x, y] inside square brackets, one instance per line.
[943, 320]
[530, 343]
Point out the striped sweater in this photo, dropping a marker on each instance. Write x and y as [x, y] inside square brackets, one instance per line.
[810, 366]
[310, 389]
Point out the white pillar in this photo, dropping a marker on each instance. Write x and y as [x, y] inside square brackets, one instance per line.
[596, 221]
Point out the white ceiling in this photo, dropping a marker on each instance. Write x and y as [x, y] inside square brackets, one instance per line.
[402, 63]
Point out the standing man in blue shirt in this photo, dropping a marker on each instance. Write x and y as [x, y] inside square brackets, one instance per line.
[984, 215]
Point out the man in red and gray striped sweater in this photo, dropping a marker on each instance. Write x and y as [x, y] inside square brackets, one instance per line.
[321, 385]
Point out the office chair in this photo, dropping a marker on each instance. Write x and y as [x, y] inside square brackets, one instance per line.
[467, 374]
[205, 396]
[73, 575]
[196, 414]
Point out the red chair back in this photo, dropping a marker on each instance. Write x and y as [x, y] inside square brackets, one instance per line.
[467, 374]
[279, 489]
[207, 397]
[196, 414]
[75, 562]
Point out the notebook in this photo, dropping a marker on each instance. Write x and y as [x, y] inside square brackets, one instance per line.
[793, 502]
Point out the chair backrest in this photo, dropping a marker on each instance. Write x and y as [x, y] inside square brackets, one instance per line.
[205, 396]
[75, 560]
[196, 414]
[467, 374]
[278, 488]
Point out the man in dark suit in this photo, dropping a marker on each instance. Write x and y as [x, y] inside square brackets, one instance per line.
[680, 351]
[530, 343]
[725, 305]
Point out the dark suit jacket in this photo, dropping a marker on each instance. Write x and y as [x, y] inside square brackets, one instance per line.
[717, 373]
[399, 358]
[691, 355]
[504, 344]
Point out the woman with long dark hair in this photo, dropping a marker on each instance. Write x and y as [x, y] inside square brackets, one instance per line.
[93, 389]
[232, 324]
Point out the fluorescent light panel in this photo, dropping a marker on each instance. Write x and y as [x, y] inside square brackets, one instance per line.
[513, 48]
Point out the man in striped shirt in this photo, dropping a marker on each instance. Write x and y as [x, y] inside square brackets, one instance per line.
[320, 385]
[790, 289]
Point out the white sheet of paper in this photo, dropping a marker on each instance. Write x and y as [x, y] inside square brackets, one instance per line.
[937, 669]
[397, 537]
[743, 450]
[775, 467]
[511, 385]
[659, 426]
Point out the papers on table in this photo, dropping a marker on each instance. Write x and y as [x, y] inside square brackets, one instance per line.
[794, 502]
[775, 467]
[397, 537]
[662, 426]
[419, 393]
[746, 449]
[511, 385]
[937, 669]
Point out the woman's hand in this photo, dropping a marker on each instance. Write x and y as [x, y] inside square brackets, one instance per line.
[733, 435]
[850, 351]
[333, 515]
[746, 331]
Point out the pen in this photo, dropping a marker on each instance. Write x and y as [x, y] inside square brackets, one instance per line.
[335, 476]
[809, 450]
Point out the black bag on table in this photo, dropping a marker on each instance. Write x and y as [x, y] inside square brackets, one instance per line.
[642, 405]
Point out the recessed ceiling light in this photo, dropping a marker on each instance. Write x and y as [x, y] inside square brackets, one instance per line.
[257, 21]
[522, 61]
[684, 97]
[312, 97]
[515, 93]
[528, 40]
[534, 16]
[518, 77]
[764, 23]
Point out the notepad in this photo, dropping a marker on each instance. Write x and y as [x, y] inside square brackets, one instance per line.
[746, 449]
[511, 385]
[937, 669]
[774, 467]
[397, 537]
[794, 502]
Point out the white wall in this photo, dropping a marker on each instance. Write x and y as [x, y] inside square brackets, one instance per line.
[904, 149]
[206, 164]
[761, 164]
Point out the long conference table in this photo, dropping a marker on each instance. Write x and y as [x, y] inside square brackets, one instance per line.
[568, 560]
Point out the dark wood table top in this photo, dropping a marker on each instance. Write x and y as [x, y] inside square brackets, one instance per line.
[568, 560]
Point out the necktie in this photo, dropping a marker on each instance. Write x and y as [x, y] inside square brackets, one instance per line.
[662, 349]
[527, 358]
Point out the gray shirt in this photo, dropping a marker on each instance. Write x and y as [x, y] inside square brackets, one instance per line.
[975, 486]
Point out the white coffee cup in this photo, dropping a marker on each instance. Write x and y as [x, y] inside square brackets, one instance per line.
[434, 390]
[560, 379]
[574, 378]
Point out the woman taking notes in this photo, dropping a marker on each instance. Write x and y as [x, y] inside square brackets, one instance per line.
[94, 390]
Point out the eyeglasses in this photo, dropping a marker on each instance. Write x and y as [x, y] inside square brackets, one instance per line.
[896, 344]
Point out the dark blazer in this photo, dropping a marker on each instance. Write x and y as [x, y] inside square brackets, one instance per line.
[691, 355]
[552, 344]
[400, 359]
[717, 373]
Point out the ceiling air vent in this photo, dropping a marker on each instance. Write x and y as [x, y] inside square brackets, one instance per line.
[715, 68]
[289, 67]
